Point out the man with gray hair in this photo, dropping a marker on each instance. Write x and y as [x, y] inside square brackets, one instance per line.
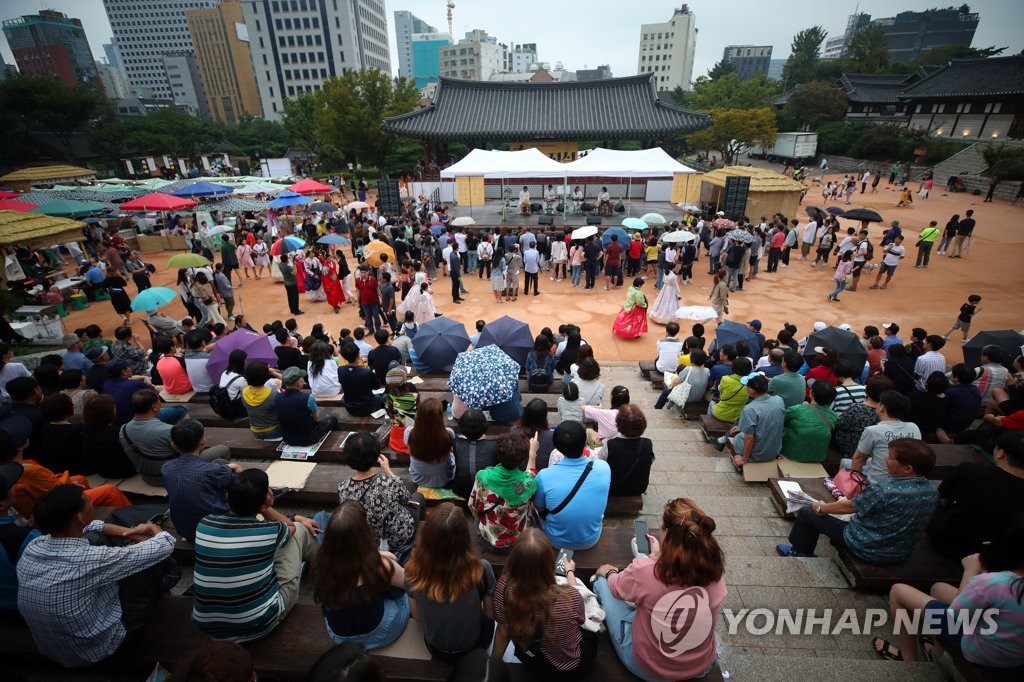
[163, 324]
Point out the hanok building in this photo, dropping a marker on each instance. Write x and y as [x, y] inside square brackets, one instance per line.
[554, 117]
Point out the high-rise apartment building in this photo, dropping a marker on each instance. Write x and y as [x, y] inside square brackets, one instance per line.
[114, 84]
[113, 56]
[407, 25]
[749, 60]
[426, 63]
[186, 83]
[910, 35]
[52, 44]
[667, 49]
[296, 45]
[523, 57]
[475, 57]
[221, 42]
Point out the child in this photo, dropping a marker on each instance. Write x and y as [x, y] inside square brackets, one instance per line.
[963, 320]
[409, 326]
[905, 198]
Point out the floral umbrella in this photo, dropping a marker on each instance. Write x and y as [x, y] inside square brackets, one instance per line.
[484, 377]
[723, 224]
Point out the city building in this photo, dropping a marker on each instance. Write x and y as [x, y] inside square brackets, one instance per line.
[601, 73]
[749, 60]
[221, 43]
[775, 68]
[113, 56]
[667, 49]
[836, 46]
[296, 45]
[426, 65]
[408, 24]
[539, 73]
[114, 84]
[52, 44]
[523, 57]
[475, 58]
[187, 91]
[143, 33]
[911, 35]
[7, 70]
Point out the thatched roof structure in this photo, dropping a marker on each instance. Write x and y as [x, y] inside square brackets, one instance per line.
[36, 230]
[23, 180]
[761, 180]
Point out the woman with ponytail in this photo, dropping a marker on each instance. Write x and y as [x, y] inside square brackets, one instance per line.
[677, 589]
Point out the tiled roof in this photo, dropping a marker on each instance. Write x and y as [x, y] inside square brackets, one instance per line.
[972, 78]
[581, 110]
[874, 88]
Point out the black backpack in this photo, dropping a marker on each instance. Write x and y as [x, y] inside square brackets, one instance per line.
[870, 255]
[223, 405]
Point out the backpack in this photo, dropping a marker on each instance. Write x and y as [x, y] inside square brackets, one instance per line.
[538, 378]
[870, 255]
[222, 403]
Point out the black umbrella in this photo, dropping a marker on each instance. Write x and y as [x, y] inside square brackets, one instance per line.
[730, 332]
[439, 342]
[864, 215]
[814, 211]
[1008, 340]
[510, 335]
[846, 344]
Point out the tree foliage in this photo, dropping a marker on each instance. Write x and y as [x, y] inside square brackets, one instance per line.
[816, 103]
[1004, 162]
[805, 56]
[883, 142]
[721, 68]
[868, 51]
[732, 92]
[947, 53]
[734, 129]
[39, 104]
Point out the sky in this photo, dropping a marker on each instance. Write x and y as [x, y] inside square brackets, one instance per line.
[588, 33]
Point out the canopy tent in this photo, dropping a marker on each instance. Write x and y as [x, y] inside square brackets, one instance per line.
[616, 163]
[525, 163]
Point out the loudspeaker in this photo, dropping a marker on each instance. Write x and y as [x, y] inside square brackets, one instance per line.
[593, 220]
[545, 220]
[536, 208]
[586, 208]
[389, 200]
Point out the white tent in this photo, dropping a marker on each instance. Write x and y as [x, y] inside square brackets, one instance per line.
[526, 163]
[614, 163]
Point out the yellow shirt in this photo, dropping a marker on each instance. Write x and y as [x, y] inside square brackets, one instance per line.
[684, 360]
[652, 253]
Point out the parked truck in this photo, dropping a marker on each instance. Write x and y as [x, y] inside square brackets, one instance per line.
[791, 147]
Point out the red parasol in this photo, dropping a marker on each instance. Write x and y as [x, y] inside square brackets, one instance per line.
[4, 194]
[157, 202]
[11, 205]
[310, 186]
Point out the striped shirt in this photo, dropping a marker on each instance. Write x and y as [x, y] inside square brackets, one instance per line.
[932, 361]
[1003, 648]
[560, 639]
[847, 395]
[236, 591]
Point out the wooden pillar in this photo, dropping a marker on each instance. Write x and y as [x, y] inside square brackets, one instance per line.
[426, 153]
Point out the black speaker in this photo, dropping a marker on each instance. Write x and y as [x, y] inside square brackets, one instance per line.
[388, 198]
[536, 208]
[593, 220]
[586, 208]
[546, 220]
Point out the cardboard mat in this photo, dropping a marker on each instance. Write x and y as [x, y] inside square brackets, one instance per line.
[290, 474]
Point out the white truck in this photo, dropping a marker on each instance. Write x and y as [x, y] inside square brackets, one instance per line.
[790, 147]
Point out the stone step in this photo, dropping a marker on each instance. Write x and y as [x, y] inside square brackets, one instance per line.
[826, 665]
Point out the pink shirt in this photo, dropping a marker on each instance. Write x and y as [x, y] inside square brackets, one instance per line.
[637, 583]
[605, 419]
[174, 376]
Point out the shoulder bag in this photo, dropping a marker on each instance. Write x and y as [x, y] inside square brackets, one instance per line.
[572, 493]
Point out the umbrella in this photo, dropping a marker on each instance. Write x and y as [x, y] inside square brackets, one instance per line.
[636, 223]
[439, 342]
[483, 377]
[835, 210]
[845, 343]
[69, 208]
[865, 215]
[373, 251]
[154, 297]
[336, 239]
[698, 313]
[730, 332]
[740, 236]
[157, 202]
[510, 335]
[4, 194]
[322, 207]
[256, 346]
[187, 260]
[202, 189]
[310, 186]
[260, 188]
[652, 219]
[1007, 339]
[285, 199]
[356, 205]
[12, 205]
[463, 220]
[220, 229]
[723, 224]
[606, 238]
[584, 232]
[678, 237]
[286, 245]
[813, 211]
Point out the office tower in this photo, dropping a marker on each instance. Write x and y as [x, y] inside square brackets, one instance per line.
[667, 49]
[221, 42]
[52, 44]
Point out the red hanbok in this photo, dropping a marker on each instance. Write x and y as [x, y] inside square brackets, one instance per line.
[332, 285]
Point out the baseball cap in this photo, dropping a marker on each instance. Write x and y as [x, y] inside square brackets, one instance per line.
[756, 324]
[116, 366]
[14, 432]
[891, 325]
[70, 340]
[818, 326]
[10, 472]
[845, 327]
[94, 353]
[720, 213]
[292, 375]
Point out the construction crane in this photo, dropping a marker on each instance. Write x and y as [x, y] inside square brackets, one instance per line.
[451, 32]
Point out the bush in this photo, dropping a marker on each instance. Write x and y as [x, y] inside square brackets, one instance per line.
[839, 137]
[1004, 162]
[883, 142]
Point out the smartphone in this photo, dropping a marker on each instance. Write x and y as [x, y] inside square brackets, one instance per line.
[643, 545]
[564, 555]
[158, 518]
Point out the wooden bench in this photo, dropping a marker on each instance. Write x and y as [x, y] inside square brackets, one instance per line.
[550, 399]
[646, 367]
[924, 568]
[440, 385]
[815, 487]
[947, 457]
[713, 428]
[657, 380]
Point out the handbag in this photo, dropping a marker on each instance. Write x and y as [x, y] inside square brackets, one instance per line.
[680, 393]
[383, 433]
[851, 483]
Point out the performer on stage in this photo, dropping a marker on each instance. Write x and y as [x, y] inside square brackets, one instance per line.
[524, 201]
[577, 199]
[604, 202]
[549, 199]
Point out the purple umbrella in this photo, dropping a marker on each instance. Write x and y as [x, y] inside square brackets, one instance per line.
[256, 346]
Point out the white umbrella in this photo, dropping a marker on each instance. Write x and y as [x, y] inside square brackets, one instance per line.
[584, 232]
[462, 221]
[220, 229]
[678, 237]
[696, 312]
[356, 205]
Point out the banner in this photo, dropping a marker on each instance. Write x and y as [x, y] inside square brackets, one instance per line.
[563, 152]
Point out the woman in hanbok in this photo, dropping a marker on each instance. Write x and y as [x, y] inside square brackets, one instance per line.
[420, 303]
[300, 272]
[314, 276]
[631, 321]
[244, 254]
[665, 305]
[332, 284]
[428, 259]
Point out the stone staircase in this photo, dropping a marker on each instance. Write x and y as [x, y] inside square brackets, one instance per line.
[970, 164]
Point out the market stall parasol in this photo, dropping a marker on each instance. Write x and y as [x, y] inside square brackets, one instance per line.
[286, 199]
[203, 189]
[69, 208]
[310, 186]
[157, 201]
[13, 205]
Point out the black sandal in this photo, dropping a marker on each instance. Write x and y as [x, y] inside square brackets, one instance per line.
[886, 649]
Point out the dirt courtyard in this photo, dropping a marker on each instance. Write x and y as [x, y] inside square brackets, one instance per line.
[928, 298]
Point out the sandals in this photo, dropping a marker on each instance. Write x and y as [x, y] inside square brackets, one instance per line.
[886, 649]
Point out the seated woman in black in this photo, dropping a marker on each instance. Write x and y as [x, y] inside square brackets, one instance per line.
[358, 384]
[629, 454]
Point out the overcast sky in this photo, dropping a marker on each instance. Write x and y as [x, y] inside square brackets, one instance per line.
[586, 33]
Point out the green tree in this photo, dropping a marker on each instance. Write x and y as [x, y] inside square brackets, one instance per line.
[733, 129]
[682, 98]
[38, 104]
[947, 53]
[804, 57]
[300, 121]
[731, 92]
[1004, 162]
[720, 69]
[816, 103]
[869, 50]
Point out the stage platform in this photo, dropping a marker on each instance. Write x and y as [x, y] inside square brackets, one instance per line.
[491, 214]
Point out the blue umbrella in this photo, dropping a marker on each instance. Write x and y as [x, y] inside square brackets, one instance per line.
[483, 377]
[606, 238]
[202, 189]
[730, 332]
[439, 342]
[154, 297]
[333, 239]
[835, 210]
[638, 224]
[510, 335]
[285, 199]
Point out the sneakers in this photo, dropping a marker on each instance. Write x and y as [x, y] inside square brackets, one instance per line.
[720, 443]
[787, 550]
